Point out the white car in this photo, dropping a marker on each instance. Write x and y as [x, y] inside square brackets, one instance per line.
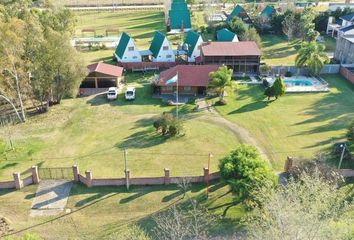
[112, 93]
[130, 93]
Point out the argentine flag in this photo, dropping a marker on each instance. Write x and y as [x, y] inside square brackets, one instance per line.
[172, 80]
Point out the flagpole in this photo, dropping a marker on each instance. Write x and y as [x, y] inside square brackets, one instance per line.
[177, 98]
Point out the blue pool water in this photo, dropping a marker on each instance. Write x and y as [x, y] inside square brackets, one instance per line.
[298, 82]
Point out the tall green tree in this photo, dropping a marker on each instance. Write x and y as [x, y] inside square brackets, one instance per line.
[246, 173]
[313, 56]
[220, 79]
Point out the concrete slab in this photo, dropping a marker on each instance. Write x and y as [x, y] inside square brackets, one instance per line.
[51, 197]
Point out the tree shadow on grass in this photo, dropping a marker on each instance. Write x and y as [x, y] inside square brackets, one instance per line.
[142, 139]
[254, 106]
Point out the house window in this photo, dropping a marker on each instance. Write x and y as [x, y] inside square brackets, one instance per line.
[169, 88]
[130, 49]
[168, 56]
[187, 88]
[165, 48]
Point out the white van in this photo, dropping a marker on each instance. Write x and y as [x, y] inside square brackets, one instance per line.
[112, 93]
[130, 93]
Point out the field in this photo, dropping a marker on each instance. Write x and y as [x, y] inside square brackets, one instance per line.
[97, 213]
[93, 133]
[297, 125]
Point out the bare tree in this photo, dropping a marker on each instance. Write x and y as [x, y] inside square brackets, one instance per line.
[184, 221]
[309, 208]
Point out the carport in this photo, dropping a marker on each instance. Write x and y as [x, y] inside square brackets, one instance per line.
[102, 75]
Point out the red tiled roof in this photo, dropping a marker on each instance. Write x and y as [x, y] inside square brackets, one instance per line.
[188, 75]
[243, 48]
[106, 69]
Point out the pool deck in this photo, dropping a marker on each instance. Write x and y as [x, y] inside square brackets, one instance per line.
[319, 85]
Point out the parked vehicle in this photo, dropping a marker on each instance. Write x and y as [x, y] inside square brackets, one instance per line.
[112, 93]
[130, 93]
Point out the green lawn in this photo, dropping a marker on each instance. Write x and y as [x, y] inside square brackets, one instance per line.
[99, 212]
[276, 50]
[297, 124]
[93, 133]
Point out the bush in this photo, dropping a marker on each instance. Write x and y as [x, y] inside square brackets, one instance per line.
[168, 124]
[288, 74]
[246, 173]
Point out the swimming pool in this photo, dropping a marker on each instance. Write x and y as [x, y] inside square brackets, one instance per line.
[298, 82]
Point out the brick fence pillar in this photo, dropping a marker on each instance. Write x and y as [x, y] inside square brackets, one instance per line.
[288, 164]
[17, 179]
[89, 178]
[167, 179]
[127, 178]
[206, 174]
[76, 173]
[35, 175]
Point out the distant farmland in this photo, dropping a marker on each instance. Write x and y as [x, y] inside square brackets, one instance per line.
[106, 2]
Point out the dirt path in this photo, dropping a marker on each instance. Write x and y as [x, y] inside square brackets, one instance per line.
[241, 133]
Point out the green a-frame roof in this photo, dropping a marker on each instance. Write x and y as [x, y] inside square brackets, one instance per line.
[122, 45]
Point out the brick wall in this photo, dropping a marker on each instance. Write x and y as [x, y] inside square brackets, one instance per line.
[28, 181]
[108, 182]
[347, 74]
[7, 185]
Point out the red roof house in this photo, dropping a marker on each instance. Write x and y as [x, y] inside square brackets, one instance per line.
[242, 57]
[192, 79]
[102, 75]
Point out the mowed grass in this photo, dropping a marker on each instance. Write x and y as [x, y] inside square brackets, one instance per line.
[93, 133]
[139, 24]
[277, 50]
[298, 125]
[99, 212]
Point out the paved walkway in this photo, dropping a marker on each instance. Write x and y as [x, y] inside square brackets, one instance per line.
[51, 197]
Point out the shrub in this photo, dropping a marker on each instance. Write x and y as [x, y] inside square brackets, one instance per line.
[269, 92]
[246, 173]
[288, 74]
[168, 124]
[265, 83]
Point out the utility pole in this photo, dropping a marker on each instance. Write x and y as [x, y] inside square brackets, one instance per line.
[207, 188]
[342, 155]
[126, 168]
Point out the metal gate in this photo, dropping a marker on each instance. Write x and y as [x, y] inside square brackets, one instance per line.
[56, 173]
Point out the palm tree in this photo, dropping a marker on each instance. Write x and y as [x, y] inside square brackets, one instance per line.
[313, 56]
[220, 79]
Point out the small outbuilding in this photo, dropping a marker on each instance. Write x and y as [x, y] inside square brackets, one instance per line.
[161, 49]
[194, 41]
[192, 79]
[102, 75]
[126, 50]
[240, 12]
[225, 35]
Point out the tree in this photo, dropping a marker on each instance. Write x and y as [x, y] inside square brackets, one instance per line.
[289, 26]
[185, 221]
[252, 35]
[168, 124]
[308, 208]
[237, 26]
[14, 77]
[220, 79]
[279, 87]
[307, 22]
[59, 70]
[269, 92]
[246, 173]
[313, 56]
